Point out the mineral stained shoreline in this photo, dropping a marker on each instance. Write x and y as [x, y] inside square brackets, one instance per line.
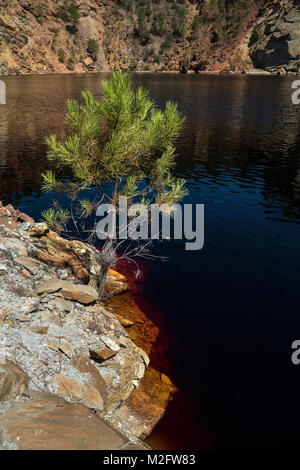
[74, 371]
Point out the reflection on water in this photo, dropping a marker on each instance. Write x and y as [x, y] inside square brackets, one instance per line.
[35, 108]
[236, 308]
[240, 131]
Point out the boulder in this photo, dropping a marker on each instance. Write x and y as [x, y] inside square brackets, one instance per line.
[81, 392]
[13, 381]
[116, 283]
[48, 422]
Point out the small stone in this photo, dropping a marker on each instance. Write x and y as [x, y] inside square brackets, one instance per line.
[144, 357]
[3, 270]
[23, 227]
[102, 354]
[110, 343]
[66, 348]
[124, 321]
[30, 306]
[32, 265]
[3, 316]
[51, 317]
[26, 273]
[53, 285]
[25, 219]
[40, 330]
[63, 274]
[46, 363]
[62, 304]
[38, 230]
[80, 293]
[53, 344]
[88, 61]
[23, 318]
[13, 381]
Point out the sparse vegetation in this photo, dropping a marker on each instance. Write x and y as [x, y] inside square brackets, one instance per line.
[53, 43]
[160, 27]
[69, 13]
[70, 64]
[93, 48]
[40, 13]
[61, 56]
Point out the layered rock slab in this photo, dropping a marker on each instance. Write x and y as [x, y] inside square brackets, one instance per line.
[47, 422]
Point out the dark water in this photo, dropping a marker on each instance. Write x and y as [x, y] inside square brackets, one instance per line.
[231, 310]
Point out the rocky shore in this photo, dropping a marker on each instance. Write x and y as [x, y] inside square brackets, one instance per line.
[74, 371]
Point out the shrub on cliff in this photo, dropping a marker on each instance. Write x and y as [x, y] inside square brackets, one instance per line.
[61, 56]
[93, 48]
[121, 146]
[69, 13]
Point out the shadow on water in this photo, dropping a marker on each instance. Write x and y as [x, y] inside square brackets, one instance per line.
[231, 310]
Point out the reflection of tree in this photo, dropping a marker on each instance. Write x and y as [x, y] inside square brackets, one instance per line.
[241, 131]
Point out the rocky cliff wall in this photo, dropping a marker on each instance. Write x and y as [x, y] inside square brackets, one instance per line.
[46, 36]
[275, 40]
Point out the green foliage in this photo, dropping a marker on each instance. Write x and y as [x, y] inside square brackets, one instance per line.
[40, 13]
[56, 219]
[196, 25]
[134, 145]
[148, 53]
[143, 33]
[53, 43]
[159, 24]
[166, 44]
[133, 65]
[126, 4]
[70, 64]
[61, 56]
[49, 182]
[69, 13]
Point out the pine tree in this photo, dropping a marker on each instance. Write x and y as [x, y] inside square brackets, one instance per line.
[122, 145]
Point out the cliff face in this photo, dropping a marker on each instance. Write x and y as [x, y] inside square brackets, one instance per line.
[46, 36]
